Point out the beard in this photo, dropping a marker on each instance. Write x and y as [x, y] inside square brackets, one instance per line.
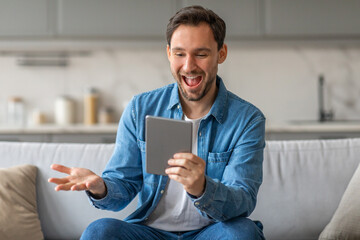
[199, 94]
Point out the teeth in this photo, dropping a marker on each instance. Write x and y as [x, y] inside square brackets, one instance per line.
[192, 77]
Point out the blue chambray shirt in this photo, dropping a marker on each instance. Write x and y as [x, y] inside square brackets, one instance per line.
[230, 140]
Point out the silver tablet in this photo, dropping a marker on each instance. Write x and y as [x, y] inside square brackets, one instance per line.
[165, 137]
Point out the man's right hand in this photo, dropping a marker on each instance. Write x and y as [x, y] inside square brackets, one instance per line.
[79, 179]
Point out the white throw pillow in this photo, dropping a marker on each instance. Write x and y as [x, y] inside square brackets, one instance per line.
[345, 223]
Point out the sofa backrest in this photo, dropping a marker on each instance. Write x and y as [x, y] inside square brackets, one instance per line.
[303, 184]
[63, 215]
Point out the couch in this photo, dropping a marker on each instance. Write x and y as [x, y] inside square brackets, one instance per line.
[303, 184]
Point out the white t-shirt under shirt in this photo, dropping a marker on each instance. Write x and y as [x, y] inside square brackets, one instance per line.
[175, 211]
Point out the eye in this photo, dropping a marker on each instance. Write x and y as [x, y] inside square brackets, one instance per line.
[201, 55]
[179, 54]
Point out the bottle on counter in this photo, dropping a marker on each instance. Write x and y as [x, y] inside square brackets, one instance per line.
[16, 112]
[106, 115]
[64, 110]
[91, 100]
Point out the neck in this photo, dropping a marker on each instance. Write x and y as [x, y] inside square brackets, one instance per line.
[198, 109]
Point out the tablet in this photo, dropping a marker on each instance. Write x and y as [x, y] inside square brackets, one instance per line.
[164, 137]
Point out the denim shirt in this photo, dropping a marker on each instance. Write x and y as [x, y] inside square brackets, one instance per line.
[230, 141]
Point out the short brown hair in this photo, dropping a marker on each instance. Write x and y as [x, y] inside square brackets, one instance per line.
[194, 15]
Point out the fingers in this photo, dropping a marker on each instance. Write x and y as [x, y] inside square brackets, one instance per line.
[58, 180]
[184, 163]
[183, 155]
[79, 179]
[61, 168]
[190, 157]
[188, 161]
[180, 171]
[180, 167]
[71, 187]
[180, 179]
[189, 170]
[79, 187]
[64, 187]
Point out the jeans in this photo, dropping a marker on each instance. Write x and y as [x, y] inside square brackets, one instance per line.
[114, 229]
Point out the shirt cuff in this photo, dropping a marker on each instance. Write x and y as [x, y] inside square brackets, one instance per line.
[98, 203]
[203, 201]
[193, 197]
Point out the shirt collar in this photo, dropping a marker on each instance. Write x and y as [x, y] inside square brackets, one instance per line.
[174, 98]
[217, 110]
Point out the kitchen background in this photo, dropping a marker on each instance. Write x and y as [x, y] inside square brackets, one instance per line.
[276, 52]
[280, 80]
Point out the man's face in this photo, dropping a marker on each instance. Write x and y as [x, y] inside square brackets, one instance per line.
[194, 58]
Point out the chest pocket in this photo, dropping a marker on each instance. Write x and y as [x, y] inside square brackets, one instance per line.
[216, 164]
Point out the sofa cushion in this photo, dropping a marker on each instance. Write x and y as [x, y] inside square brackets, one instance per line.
[345, 223]
[303, 185]
[18, 216]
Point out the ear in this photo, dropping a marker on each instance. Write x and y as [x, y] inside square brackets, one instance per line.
[168, 51]
[222, 54]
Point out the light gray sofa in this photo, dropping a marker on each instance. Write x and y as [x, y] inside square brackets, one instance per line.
[303, 184]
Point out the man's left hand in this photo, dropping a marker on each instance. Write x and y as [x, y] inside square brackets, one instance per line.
[189, 170]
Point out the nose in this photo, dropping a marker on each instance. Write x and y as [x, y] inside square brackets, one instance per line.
[189, 65]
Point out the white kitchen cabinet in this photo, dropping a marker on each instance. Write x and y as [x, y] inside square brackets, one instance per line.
[242, 17]
[312, 18]
[114, 18]
[20, 18]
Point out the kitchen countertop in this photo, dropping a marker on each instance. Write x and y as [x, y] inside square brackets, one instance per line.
[313, 126]
[57, 129]
[287, 127]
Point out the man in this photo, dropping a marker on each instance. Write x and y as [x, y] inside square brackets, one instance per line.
[207, 194]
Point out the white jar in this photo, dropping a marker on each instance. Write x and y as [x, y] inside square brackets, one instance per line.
[16, 112]
[64, 110]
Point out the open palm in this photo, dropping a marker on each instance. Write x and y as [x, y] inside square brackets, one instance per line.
[78, 179]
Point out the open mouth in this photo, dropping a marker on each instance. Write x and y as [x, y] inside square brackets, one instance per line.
[192, 81]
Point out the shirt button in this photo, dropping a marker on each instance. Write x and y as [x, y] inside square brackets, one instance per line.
[197, 203]
[162, 191]
[178, 106]
[200, 134]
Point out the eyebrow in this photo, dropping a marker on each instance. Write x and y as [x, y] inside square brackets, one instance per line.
[196, 50]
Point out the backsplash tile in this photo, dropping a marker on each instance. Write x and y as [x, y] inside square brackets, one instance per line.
[280, 80]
